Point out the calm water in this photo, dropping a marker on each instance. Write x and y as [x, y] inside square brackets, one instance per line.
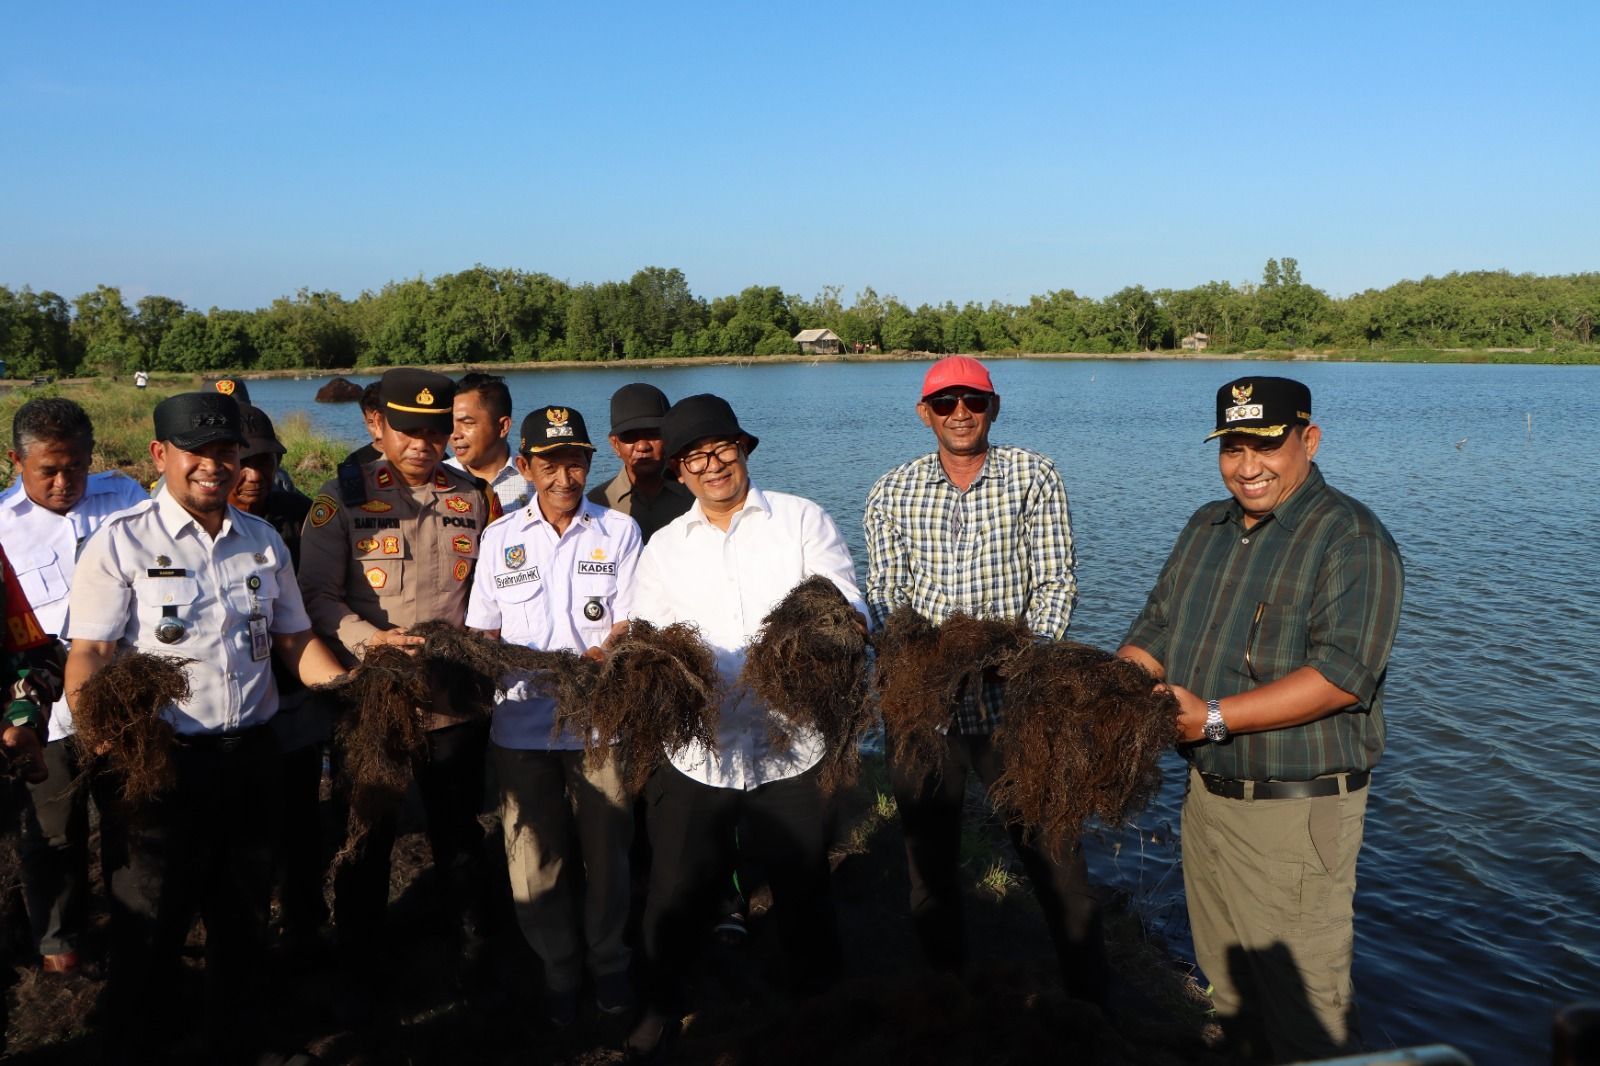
[1476, 912]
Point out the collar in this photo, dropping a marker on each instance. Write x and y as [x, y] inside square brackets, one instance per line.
[175, 519]
[588, 514]
[993, 466]
[754, 500]
[1290, 512]
[509, 466]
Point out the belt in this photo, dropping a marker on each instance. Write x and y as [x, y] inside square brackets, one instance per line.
[1230, 788]
[221, 741]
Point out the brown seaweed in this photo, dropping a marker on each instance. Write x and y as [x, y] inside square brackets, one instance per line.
[1083, 734]
[809, 663]
[119, 709]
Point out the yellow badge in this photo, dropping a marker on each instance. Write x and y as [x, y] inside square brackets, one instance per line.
[462, 544]
[391, 545]
[366, 544]
[598, 554]
[463, 568]
[458, 505]
[323, 508]
[226, 386]
[377, 506]
[1241, 393]
[424, 398]
[557, 415]
[377, 578]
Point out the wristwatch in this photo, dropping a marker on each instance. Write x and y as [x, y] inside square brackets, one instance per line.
[1216, 729]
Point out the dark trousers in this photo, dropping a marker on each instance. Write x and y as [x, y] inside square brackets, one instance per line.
[303, 863]
[55, 844]
[930, 816]
[204, 846]
[784, 826]
[451, 785]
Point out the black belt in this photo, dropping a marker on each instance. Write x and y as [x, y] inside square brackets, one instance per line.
[221, 741]
[1230, 788]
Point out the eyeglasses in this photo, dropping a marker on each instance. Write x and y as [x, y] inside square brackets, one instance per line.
[724, 453]
[944, 404]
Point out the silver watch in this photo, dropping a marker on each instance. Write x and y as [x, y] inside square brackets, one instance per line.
[1216, 729]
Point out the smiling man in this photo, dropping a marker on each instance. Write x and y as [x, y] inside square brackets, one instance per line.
[982, 529]
[481, 416]
[45, 517]
[1272, 623]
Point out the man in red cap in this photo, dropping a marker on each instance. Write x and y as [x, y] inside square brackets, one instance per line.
[980, 529]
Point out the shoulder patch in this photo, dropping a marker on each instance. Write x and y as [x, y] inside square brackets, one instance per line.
[323, 508]
[377, 506]
[463, 568]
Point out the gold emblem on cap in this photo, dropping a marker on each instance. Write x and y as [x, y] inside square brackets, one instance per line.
[558, 415]
[1241, 393]
[226, 387]
[425, 397]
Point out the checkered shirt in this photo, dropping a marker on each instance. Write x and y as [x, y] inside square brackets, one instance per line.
[1001, 549]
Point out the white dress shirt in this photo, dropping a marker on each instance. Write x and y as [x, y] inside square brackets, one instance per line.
[508, 486]
[554, 593]
[155, 559]
[726, 583]
[43, 549]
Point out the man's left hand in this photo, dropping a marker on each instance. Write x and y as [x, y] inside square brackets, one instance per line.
[23, 749]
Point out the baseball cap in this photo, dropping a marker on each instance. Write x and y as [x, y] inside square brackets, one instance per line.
[637, 406]
[544, 429]
[1262, 407]
[956, 371]
[259, 436]
[192, 420]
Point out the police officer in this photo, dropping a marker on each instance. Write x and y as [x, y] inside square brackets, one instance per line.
[380, 554]
[558, 574]
[186, 574]
[51, 509]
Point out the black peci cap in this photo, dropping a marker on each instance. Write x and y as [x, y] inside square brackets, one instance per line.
[259, 436]
[192, 420]
[696, 418]
[637, 406]
[413, 400]
[544, 429]
[1262, 407]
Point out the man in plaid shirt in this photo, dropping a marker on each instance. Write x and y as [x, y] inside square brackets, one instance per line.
[981, 529]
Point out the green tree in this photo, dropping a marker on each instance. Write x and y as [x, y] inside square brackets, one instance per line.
[103, 327]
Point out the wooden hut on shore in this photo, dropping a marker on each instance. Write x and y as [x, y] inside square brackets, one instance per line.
[818, 342]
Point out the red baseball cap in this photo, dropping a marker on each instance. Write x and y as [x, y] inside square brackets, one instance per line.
[955, 371]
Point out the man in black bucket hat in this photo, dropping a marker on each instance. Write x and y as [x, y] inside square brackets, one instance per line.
[723, 565]
[1272, 623]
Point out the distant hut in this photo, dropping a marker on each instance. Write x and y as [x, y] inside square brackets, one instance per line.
[1196, 342]
[818, 342]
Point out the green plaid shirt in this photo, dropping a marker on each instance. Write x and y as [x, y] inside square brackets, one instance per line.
[1001, 549]
[1317, 583]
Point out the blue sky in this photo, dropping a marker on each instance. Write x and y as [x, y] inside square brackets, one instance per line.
[228, 154]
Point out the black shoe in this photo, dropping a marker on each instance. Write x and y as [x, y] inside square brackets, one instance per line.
[654, 1040]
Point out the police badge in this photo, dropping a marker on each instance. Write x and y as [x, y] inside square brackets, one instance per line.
[516, 555]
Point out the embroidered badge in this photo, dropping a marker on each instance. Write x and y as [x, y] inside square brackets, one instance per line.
[367, 544]
[424, 398]
[384, 477]
[323, 508]
[391, 545]
[462, 569]
[458, 505]
[162, 560]
[376, 507]
[226, 386]
[597, 554]
[516, 555]
[377, 578]
[462, 544]
[1241, 393]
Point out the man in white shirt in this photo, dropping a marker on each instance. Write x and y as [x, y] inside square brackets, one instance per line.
[186, 574]
[481, 422]
[556, 575]
[45, 516]
[723, 566]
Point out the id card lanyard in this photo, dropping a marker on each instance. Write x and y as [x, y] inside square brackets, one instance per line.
[260, 639]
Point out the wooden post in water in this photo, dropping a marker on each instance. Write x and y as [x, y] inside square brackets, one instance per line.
[1575, 1036]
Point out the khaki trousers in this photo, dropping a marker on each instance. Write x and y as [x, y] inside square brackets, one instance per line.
[1271, 889]
[567, 827]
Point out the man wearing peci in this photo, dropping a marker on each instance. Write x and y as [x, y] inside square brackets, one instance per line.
[1272, 623]
[45, 518]
[723, 565]
[186, 574]
[558, 574]
[982, 529]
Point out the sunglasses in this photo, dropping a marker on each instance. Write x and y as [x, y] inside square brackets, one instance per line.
[945, 403]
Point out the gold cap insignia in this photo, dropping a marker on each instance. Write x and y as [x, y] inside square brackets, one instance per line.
[558, 415]
[1241, 393]
[425, 397]
[226, 387]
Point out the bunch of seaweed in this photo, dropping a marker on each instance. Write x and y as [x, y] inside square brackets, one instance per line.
[118, 710]
[1082, 735]
[809, 663]
[656, 692]
[472, 667]
[923, 669]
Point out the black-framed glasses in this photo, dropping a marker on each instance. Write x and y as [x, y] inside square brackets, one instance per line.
[724, 453]
[944, 404]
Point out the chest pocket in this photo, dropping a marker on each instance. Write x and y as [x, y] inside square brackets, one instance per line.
[162, 597]
[40, 577]
[594, 588]
[246, 601]
[1277, 641]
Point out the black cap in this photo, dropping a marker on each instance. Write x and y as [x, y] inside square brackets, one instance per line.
[192, 420]
[259, 436]
[234, 387]
[416, 399]
[1262, 407]
[696, 418]
[637, 406]
[544, 429]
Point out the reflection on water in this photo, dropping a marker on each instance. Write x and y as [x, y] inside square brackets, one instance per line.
[1478, 881]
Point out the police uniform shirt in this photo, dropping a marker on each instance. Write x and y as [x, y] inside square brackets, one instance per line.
[43, 547]
[509, 486]
[153, 567]
[401, 557]
[553, 593]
